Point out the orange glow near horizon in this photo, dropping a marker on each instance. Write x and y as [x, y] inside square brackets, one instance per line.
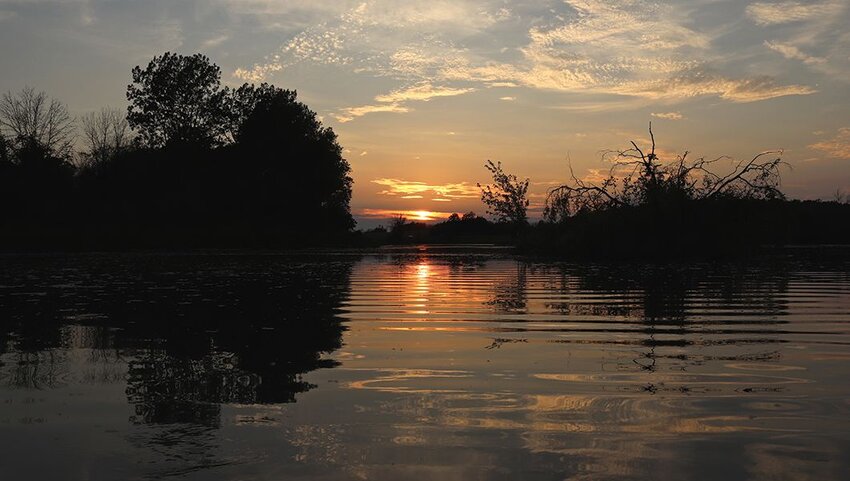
[413, 215]
[423, 215]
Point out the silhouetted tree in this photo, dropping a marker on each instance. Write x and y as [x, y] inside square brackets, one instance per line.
[105, 134]
[31, 119]
[5, 151]
[638, 178]
[297, 171]
[397, 223]
[506, 199]
[179, 99]
[36, 177]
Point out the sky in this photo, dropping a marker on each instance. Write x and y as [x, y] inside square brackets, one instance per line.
[423, 93]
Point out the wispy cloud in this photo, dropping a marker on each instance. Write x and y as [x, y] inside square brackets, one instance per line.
[775, 13]
[631, 48]
[351, 113]
[668, 115]
[838, 146]
[214, 41]
[423, 91]
[397, 100]
[792, 52]
[407, 189]
[697, 83]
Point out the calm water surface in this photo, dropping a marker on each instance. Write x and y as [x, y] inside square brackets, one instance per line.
[421, 364]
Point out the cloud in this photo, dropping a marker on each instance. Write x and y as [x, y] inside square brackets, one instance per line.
[416, 215]
[627, 48]
[792, 52]
[775, 13]
[395, 101]
[507, 99]
[358, 34]
[668, 115]
[258, 73]
[421, 92]
[694, 84]
[351, 113]
[407, 189]
[215, 41]
[618, 48]
[837, 147]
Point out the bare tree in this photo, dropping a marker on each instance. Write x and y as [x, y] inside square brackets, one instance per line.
[507, 198]
[637, 177]
[105, 133]
[32, 117]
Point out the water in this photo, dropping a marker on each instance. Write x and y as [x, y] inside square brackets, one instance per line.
[421, 364]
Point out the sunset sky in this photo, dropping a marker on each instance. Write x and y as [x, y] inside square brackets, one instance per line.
[422, 93]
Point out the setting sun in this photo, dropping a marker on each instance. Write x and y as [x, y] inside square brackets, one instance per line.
[423, 215]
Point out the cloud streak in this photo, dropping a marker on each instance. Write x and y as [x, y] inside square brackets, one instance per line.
[777, 13]
[407, 189]
[668, 115]
[837, 147]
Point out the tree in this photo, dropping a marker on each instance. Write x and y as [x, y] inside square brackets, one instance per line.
[506, 199]
[105, 133]
[640, 178]
[179, 99]
[33, 120]
[296, 164]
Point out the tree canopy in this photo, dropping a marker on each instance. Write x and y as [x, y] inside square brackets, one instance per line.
[179, 99]
[299, 170]
[507, 198]
[192, 164]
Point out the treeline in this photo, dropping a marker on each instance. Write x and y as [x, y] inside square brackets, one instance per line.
[697, 228]
[190, 164]
[646, 208]
[468, 228]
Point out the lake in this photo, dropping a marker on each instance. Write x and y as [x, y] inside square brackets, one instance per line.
[422, 363]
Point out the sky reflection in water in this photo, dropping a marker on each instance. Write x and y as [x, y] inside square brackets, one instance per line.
[420, 365]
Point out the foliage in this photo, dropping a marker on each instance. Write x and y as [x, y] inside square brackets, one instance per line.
[297, 164]
[179, 99]
[506, 199]
[637, 178]
[212, 167]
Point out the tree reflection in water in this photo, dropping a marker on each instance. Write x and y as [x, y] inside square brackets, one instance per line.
[195, 331]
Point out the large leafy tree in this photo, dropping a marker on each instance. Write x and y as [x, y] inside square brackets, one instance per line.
[298, 169]
[178, 99]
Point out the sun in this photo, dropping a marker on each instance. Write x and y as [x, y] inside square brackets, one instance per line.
[422, 215]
